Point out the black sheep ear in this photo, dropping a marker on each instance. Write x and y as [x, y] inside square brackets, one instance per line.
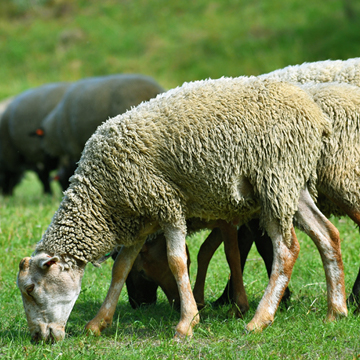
[39, 132]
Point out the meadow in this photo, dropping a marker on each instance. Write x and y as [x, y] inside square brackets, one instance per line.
[62, 40]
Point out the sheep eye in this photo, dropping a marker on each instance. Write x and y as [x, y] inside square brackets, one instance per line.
[30, 288]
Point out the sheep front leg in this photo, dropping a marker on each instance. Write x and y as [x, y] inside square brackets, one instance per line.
[327, 239]
[283, 263]
[177, 258]
[121, 268]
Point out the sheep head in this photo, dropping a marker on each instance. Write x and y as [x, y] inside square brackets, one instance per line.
[49, 289]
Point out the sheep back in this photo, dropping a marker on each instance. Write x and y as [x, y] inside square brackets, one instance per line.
[88, 103]
[347, 71]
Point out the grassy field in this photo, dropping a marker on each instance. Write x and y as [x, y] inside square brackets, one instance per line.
[298, 332]
[62, 40]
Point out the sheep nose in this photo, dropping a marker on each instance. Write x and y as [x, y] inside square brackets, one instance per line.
[57, 333]
[48, 333]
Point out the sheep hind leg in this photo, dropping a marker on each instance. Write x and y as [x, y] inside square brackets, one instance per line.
[327, 239]
[283, 263]
[354, 215]
[240, 302]
[177, 258]
[121, 268]
[245, 240]
[206, 252]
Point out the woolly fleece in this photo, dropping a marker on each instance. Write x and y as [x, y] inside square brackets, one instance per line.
[191, 152]
[342, 71]
[338, 169]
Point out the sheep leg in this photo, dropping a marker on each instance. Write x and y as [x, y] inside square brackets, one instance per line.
[354, 215]
[177, 258]
[327, 239]
[206, 252]
[245, 241]
[229, 236]
[265, 249]
[121, 268]
[284, 260]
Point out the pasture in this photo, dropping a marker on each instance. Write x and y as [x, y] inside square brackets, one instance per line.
[61, 40]
[298, 332]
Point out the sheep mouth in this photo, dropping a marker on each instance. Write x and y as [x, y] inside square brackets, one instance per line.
[50, 337]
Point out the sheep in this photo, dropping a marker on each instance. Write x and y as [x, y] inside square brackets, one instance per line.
[344, 71]
[85, 105]
[338, 178]
[151, 268]
[322, 71]
[18, 150]
[211, 149]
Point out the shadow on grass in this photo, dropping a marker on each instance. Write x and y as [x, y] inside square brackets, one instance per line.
[148, 320]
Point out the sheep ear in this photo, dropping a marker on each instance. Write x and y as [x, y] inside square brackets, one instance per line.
[47, 261]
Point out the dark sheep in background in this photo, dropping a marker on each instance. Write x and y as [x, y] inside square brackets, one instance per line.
[87, 104]
[19, 151]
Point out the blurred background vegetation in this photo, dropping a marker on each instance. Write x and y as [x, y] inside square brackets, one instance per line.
[63, 40]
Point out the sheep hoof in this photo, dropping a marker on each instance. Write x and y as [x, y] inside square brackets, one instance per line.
[181, 337]
[255, 327]
[183, 332]
[335, 315]
[95, 328]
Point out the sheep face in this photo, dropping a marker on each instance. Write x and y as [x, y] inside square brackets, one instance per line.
[49, 292]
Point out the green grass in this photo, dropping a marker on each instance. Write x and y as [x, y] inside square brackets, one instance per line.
[63, 40]
[298, 332]
[172, 41]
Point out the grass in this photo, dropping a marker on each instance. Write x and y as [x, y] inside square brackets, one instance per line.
[298, 332]
[62, 40]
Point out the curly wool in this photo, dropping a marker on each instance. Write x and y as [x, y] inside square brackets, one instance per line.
[191, 152]
[338, 168]
[343, 71]
[339, 164]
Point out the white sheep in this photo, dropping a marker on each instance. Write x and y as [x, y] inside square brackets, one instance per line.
[343, 71]
[339, 160]
[215, 149]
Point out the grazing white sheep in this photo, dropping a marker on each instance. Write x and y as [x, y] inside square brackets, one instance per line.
[338, 181]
